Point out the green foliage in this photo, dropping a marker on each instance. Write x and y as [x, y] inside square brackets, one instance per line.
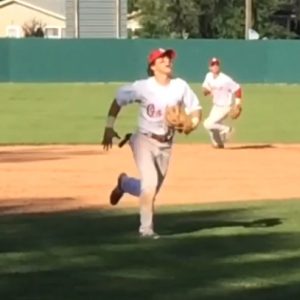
[171, 18]
[263, 23]
[156, 22]
[183, 17]
[207, 18]
[132, 5]
[222, 21]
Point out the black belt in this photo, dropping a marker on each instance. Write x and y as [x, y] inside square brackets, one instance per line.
[162, 138]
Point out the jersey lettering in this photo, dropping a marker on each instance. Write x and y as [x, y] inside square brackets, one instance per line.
[152, 112]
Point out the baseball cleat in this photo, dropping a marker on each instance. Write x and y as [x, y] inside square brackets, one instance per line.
[217, 145]
[117, 193]
[226, 134]
[149, 235]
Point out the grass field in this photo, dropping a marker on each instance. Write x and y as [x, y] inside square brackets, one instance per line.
[229, 251]
[75, 113]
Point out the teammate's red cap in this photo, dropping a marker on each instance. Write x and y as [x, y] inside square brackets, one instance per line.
[214, 61]
[159, 53]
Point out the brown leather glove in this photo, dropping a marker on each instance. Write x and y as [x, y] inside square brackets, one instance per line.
[178, 119]
[235, 111]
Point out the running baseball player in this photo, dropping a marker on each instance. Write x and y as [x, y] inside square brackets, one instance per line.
[162, 99]
[226, 96]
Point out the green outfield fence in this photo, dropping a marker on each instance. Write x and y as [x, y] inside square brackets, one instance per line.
[106, 60]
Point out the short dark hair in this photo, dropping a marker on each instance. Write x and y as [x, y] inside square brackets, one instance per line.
[149, 70]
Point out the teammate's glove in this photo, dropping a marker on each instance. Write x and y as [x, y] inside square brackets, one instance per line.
[235, 111]
[178, 119]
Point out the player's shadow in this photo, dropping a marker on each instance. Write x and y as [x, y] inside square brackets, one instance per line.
[190, 226]
[245, 147]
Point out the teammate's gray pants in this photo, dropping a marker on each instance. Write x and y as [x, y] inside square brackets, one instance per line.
[152, 160]
[214, 123]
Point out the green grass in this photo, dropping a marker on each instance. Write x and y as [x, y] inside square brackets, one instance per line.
[211, 252]
[75, 113]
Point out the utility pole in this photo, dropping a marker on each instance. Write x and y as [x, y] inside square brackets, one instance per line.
[76, 18]
[248, 17]
[118, 19]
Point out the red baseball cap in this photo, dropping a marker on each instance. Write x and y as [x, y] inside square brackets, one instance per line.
[214, 61]
[159, 53]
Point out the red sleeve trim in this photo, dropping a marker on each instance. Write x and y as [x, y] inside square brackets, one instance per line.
[238, 93]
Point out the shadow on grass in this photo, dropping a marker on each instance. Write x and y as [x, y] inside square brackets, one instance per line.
[25, 204]
[190, 227]
[211, 254]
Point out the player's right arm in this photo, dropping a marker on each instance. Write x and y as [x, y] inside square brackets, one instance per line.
[127, 94]
[205, 86]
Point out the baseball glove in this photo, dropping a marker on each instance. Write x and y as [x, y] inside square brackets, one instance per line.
[178, 119]
[235, 112]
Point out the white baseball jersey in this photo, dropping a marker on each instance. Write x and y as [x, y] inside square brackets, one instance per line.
[221, 87]
[154, 98]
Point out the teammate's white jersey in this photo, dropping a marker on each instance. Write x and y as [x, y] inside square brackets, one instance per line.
[222, 88]
[154, 98]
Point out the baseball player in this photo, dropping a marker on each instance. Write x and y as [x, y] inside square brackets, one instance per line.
[152, 142]
[226, 96]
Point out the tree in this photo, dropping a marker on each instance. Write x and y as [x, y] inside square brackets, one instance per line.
[297, 9]
[34, 28]
[197, 18]
[170, 18]
[132, 6]
[184, 17]
[264, 21]
[221, 19]
[154, 20]
[206, 18]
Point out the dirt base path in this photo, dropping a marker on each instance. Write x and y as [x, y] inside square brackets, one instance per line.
[50, 178]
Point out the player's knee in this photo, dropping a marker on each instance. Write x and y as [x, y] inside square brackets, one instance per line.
[207, 124]
[149, 189]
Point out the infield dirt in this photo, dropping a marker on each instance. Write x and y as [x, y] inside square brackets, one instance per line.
[54, 178]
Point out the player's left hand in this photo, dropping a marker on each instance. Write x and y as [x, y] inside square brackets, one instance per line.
[108, 136]
[235, 111]
[177, 118]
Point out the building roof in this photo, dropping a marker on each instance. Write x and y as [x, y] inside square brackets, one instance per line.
[55, 8]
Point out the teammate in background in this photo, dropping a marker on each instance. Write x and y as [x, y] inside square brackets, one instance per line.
[226, 95]
[152, 142]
